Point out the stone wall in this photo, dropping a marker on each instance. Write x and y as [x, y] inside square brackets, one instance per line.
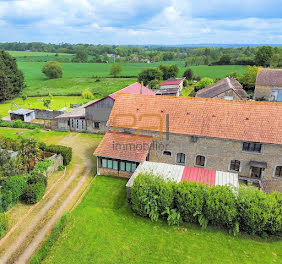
[57, 161]
[46, 114]
[108, 172]
[263, 92]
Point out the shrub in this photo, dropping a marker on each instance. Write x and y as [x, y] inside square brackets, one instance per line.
[12, 188]
[18, 124]
[66, 152]
[87, 94]
[42, 146]
[41, 167]
[203, 83]
[189, 199]
[61, 168]
[220, 207]
[52, 70]
[3, 224]
[274, 219]
[34, 193]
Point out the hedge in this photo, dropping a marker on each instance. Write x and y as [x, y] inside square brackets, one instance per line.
[3, 224]
[18, 124]
[66, 152]
[34, 193]
[246, 209]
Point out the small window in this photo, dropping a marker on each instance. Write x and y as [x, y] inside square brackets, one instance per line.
[96, 124]
[200, 160]
[133, 167]
[110, 164]
[128, 166]
[278, 171]
[122, 165]
[252, 147]
[167, 153]
[115, 165]
[104, 163]
[68, 122]
[180, 158]
[76, 123]
[235, 165]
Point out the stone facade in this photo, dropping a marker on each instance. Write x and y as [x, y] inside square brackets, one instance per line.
[266, 92]
[218, 152]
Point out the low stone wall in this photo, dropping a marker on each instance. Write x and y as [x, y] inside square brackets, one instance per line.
[120, 174]
[46, 114]
[57, 161]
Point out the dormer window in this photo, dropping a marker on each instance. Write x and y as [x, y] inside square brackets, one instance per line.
[252, 147]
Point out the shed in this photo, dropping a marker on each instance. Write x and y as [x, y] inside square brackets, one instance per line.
[180, 173]
[26, 115]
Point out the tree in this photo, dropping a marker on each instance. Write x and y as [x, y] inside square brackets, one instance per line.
[52, 70]
[24, 97]
[4, 157]
[169, 71]
[80, 56]
[13, 167]
[116, 69]
[248, 79]
[29, 152]
[203, 83]
[6, 88]
[264, 55]
[47, 102]
[149, 74]
[225, 59]
[86, 94]
[188, 74]
[11, 76]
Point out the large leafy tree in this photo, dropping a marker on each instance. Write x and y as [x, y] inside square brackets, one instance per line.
[169, 71]
[203, 83]
[52, 70]
[248, 79]
[264, 55]
[11, 78]
[116, 69]
[148, 75]
[188, 74]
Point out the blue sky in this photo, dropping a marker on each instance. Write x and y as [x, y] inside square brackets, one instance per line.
[164, 22]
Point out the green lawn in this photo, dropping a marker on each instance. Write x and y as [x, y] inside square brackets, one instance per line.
[103, 229]
[78, 76]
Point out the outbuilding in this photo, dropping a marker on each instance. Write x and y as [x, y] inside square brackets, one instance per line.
[26, 115]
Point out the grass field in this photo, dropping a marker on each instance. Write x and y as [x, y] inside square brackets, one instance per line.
[58, 102]
[78, 76]
[103, 229]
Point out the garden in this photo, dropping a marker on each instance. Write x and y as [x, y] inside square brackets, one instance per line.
[104, 229]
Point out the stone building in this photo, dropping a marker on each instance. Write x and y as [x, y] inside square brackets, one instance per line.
[243, 137]
[228, 88]
[269, 85]
[93, 116]
[25, 115]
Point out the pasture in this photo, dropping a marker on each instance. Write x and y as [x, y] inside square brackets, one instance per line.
[103, 229]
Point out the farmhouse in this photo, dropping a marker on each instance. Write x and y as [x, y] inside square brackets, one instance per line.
[231, 136]
[269, 85]
[93, 116]
[228, 88]
[171, 87]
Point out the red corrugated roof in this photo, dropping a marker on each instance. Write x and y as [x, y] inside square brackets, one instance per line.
[172, 82]
[204, 176]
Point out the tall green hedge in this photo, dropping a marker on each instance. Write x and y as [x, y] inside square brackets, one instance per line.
[246, 209]
[66, 152]
[3, 224]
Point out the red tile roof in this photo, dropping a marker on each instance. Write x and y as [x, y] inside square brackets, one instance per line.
[172, 81]
[134, 88]
[124, 146]
[204, 176]
[206, 117]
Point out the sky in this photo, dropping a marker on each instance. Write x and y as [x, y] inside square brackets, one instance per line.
[142, 22]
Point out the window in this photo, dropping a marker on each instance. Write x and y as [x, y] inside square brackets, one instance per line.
[133, 167]
[128, 166]
[252, 147]
[235, 165]
[110, 164]
[115, 165]
[180, 158]
[96, 124]
[76, 123]
[200, 160]
[167, 153]
[278, 171]
[122, 165]
[104, 163]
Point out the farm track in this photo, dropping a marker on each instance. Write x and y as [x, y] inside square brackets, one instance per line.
[29, 240]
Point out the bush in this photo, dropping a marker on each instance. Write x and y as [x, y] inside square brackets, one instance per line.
[18, 124]
[203, 83]
[61, 168]
[52, 70]
[12, 189]
[220, 207]
[42, 146]
[86, 94]
[274, 220]
[3, 224]
[66, 152]
[192, 194]
[34, 193]
[252, 210]
[41, 167]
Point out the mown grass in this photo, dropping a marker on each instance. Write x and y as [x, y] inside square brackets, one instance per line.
[103, 229]
[78, 76]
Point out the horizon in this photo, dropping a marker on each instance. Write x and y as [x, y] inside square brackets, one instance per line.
[160, 22]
